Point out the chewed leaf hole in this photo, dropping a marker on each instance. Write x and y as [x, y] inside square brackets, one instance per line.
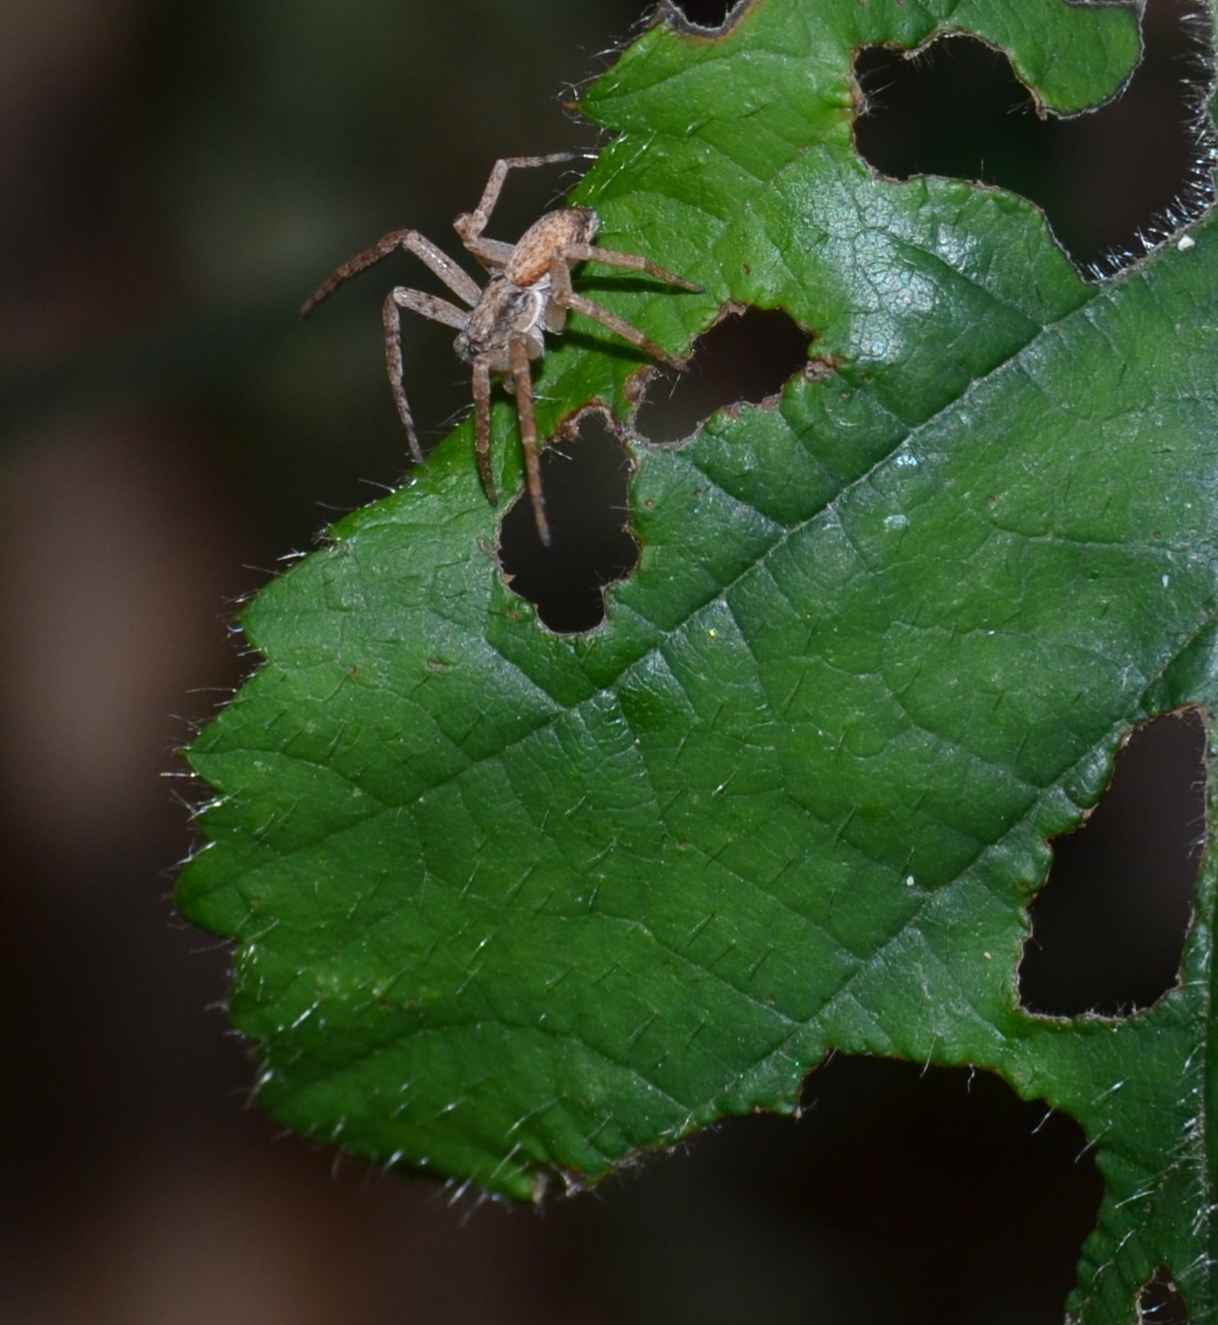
[1160, 1301]
[701, 13]
[748, 356]
[1108, 927]
[585, 485]
[897, 1197]
[1110, 182]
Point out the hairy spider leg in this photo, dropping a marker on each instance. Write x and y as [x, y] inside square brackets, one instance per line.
[493, 254]
[528, 434]
[470, 225]
[427, 305]
[459, 281]
[612, 257]
[482, 427]
[564, 298]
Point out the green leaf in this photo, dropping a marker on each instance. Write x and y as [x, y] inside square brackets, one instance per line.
[508, 903]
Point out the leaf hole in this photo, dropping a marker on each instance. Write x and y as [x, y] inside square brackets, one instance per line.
[902, 1195]
[1160, 1301]
[1108, 927]
[748, 355]
[585, 481]
[706, 17]
[1111, 182]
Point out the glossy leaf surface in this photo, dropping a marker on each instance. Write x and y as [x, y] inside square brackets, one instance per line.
[508, 902]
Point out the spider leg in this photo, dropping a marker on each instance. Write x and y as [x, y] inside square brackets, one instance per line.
[493, 254]
[528, 434]
[429, 305]
[459, 281]
[564, 298]
[471, 224]
[632, 261]
[482, 427]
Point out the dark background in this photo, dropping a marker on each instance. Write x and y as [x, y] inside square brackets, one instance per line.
[177, 178]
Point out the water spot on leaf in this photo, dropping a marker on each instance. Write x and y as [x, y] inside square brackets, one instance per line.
[1108, 927]
[1111, 182]
[1160, 1302]
[585, 484]
[747, 356]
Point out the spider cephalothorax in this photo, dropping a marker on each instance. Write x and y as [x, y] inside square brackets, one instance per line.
[529, 293]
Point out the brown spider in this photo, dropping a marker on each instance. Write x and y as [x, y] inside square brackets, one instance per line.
[528, 294]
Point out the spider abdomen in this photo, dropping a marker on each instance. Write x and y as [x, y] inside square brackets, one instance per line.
[547, 239]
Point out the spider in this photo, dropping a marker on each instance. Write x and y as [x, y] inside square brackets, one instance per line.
[529, 293]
